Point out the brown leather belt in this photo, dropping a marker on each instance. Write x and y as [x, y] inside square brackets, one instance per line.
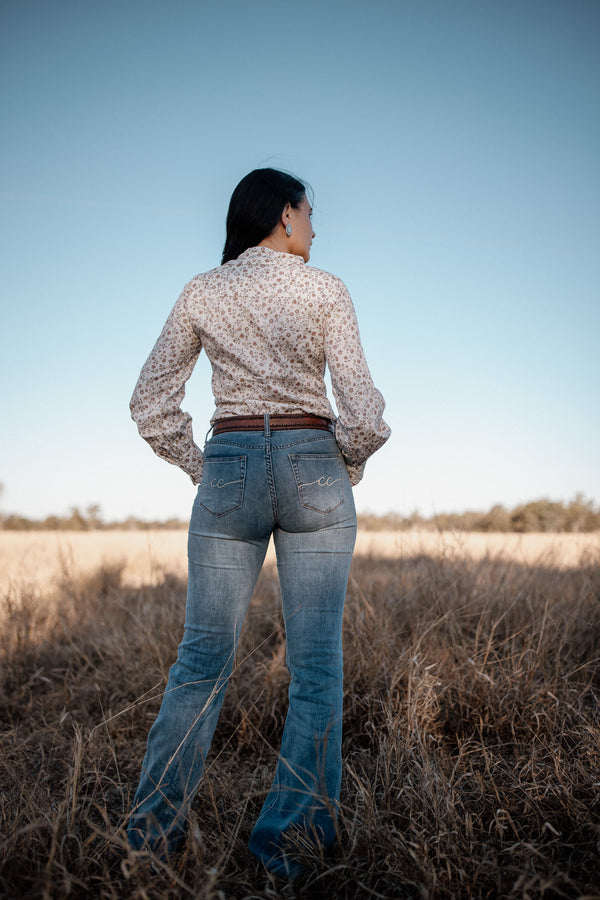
[276, 423]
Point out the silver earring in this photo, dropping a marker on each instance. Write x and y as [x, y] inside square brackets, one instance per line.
[288, 229]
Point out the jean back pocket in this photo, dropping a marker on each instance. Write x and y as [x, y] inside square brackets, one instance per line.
[222, 486]
[319, 480]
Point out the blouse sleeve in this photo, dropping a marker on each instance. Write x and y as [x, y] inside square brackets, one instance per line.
[360, 429]
[156, 401]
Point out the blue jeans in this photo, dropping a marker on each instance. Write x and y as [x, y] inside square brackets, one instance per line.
[293, 485]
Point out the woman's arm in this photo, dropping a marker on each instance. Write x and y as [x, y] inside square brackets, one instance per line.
[360, 428]
[156, 401]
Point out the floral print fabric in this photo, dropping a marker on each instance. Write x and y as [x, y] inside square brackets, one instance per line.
[269, 325]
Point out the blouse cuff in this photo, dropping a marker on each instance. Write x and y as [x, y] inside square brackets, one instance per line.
[355, 473]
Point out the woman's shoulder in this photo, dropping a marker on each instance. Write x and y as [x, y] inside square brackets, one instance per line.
[325, 279]
[326, 283]
[205, 279]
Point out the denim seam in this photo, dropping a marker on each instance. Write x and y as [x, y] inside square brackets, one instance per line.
[298, 443]
[224, 442]
[269, 466]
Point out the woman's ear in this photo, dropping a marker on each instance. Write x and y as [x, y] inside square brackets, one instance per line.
[285, 215]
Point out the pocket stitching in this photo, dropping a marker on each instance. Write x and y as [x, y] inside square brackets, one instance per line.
[294, 457]
[242, 482]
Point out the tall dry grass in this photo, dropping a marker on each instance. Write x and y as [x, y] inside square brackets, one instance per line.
[471, 735]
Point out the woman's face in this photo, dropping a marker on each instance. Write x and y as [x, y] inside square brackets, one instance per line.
[302, 231]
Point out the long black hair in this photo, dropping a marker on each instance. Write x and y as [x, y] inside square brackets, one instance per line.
[255, 207]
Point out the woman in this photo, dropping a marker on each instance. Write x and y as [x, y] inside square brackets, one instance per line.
[278, 463]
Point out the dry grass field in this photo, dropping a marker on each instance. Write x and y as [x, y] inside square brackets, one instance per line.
[39, 558]
[471, 726]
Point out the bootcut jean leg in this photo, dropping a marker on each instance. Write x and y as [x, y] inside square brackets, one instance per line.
[294, 485]
[222, 576]
[313, 572]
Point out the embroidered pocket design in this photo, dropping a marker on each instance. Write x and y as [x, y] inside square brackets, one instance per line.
[222, 486]
[319, 480]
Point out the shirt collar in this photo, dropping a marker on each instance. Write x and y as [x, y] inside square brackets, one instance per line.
[267, 253]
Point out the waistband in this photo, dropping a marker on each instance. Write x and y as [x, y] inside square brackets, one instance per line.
[276, 423]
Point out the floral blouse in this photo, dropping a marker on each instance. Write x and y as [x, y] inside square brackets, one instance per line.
[269, 325]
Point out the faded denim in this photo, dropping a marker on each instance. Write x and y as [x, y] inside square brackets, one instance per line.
[294, 485]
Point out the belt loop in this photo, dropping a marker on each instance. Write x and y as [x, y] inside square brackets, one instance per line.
[267, 427]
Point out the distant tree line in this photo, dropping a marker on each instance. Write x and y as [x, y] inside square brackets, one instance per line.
[89, 519]
[578, 515]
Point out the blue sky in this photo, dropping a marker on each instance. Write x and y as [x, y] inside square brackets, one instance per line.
[453, 149]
